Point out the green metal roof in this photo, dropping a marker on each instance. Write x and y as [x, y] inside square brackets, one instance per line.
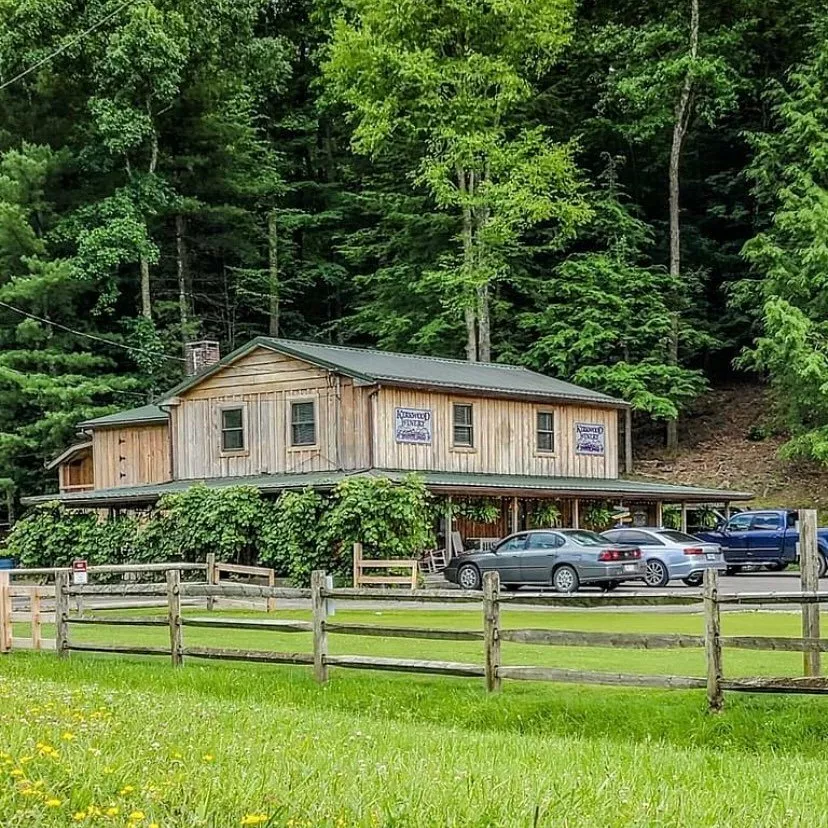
[521, 485]
[389, 368]
[143, 414]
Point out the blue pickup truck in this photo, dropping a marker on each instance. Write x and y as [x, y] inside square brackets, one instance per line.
[767, 538]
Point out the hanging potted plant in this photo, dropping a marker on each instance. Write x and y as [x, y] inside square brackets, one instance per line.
[545, 515]
[597, 517]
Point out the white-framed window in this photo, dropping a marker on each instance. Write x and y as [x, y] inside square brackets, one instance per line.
[545, 431]
[463, 425]
[303, 423]
[233, 437]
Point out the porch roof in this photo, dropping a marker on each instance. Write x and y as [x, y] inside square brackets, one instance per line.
[444, 482]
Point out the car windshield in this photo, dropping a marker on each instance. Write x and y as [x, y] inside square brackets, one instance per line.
[678, 537]
[584, 538]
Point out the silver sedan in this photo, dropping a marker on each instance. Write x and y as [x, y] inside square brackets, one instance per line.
[561, 558]
[670, 554]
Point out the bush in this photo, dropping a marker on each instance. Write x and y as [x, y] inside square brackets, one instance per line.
[51, 535]
[187, 525]
[296, 534]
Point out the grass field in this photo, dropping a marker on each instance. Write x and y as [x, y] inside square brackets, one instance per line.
[97, 740]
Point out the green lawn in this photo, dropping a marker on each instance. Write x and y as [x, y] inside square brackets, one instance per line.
[100, 740]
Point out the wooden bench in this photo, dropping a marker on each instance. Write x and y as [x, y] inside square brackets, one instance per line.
[361, 579]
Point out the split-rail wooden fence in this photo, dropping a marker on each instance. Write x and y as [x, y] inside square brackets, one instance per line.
[322, 595]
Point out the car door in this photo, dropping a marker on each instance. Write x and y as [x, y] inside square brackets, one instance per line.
[735, 538]
[766, 537]
[539, 556]
[506, 558]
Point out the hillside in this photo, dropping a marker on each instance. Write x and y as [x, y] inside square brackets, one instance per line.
[716, 449]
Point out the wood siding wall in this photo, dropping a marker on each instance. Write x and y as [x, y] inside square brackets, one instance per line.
[77, 474]
[131, 456]
[504, 437]
[265, 383]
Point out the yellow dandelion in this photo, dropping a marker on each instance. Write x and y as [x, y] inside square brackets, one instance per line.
[177, 755]
[24, 760]
[208, 757]
[53, 803]
[79, 816]
[136, 816]
[108, 771]
[29, 792]
[68, 737]
[113, 810]
[127, 789]
[16, 772]
[254, 819]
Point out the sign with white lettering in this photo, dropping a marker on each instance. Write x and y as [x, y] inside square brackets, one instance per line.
[413, 425]
[80, 574]
[590, 439]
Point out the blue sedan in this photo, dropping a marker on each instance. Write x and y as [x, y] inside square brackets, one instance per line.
[670, 554]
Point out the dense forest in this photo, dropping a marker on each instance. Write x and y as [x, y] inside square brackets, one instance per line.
[627, 194]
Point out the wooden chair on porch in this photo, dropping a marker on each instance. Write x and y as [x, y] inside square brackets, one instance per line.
[434, 560]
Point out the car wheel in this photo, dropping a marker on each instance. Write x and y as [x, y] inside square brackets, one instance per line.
[778, 567]
[468, 577]
[694, 580]
[655, 574]
[511, 587]
[565, 579]
[823, 566]
[608, 586]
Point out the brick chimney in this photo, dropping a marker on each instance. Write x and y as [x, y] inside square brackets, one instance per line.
[201, 355]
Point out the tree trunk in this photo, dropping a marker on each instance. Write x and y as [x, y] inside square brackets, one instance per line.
[484, 327]
[273, 280]
[183, 299]
[146, 296]
[468, 267]
[683, 112]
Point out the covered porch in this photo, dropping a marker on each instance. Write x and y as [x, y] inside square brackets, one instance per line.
[476, 512]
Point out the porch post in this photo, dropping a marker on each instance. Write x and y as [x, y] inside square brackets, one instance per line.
[683, 517]
[659, 512]
[515, 515]
[576, 517]
[449, 529]
[628, 452]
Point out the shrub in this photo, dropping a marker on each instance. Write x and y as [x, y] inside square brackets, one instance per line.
[296, 534]
[187, 525]
[51, 535]
[291, 537]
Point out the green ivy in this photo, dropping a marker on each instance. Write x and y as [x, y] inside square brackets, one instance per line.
[299, 532]
[51, 535]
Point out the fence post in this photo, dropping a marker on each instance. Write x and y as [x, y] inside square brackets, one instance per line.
[174, 615]
[491, 629]
[211, 578]
[5, 613]
[271, 582]
[61, 614]
[809, 575]
[320, 634]
[712, 641]
[357, 563]
[36, 620]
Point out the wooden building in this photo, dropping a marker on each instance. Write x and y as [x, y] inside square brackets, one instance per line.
[281, 414]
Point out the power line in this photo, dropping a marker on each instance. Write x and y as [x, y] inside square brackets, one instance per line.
[89, 335]
[65, 46]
